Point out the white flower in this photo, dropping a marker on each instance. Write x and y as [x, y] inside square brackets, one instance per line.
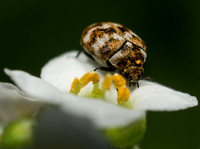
[14, 104]
[61, 71]
[55, 83]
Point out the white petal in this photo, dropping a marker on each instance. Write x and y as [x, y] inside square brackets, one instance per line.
[34, 87]
[61, 71]
[14, 104]
[155, 97]
[101, 113]
[9, 91]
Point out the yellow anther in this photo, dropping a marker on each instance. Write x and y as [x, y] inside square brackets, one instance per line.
[119, 80]
[138, 61]
[76, 86]
[123, 94]
[107, 82]
[119, 84]
[88, 77]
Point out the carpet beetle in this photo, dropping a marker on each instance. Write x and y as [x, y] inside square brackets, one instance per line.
[115, 47]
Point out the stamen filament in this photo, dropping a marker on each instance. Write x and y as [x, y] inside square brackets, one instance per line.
[97, 92]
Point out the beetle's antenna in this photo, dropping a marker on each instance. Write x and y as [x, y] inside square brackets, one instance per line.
[146, 78]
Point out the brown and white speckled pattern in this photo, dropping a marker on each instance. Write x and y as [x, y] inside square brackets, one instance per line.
[126, 57]
[113, 45]
[103, 39]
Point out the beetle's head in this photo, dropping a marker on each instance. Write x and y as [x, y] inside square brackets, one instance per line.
[133, 74]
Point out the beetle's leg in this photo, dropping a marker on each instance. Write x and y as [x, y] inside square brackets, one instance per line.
[106, 68]
[133, 84]
[79, 52]
[88, 55]
[138, 84]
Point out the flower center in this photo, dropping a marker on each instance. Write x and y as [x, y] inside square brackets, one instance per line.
[97, 92]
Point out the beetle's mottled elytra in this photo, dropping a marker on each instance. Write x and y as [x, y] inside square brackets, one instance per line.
[115, 47]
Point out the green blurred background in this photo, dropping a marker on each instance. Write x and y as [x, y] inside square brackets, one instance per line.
[34, 31]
